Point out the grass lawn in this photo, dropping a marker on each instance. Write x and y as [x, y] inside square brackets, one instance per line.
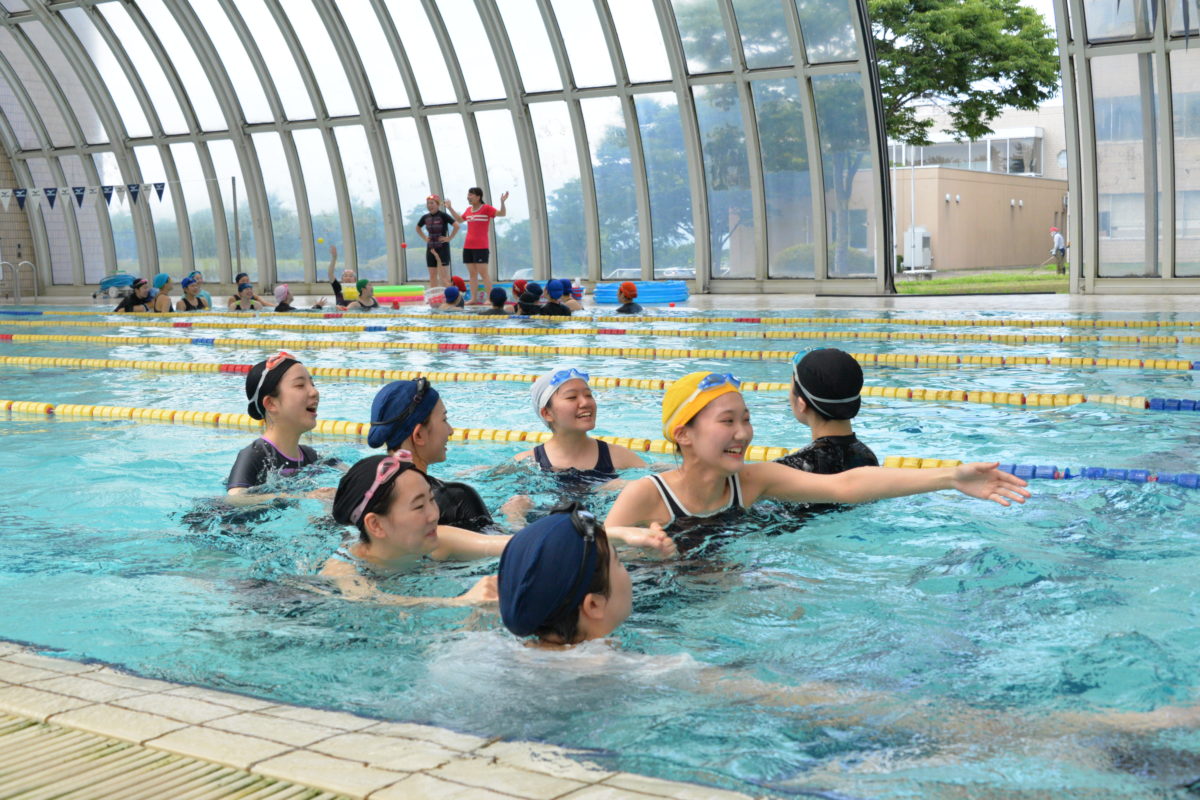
[1041, 279]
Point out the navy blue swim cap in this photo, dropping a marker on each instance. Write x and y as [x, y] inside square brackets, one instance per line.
[554, 289]
[393, 415]
[533, 288]
[451, 294]
[498, 295]
[538, 567]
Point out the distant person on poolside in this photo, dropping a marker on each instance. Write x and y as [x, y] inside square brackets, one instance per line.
[476, 252]
[439, 230]
[1058, 249]
[627, 292]
[825, 396]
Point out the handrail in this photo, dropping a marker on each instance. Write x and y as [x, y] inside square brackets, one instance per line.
[32, 275]
[12, 273]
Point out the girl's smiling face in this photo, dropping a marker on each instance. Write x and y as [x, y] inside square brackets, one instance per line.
[720, 433]
[295, 401]
[571, 407]
[410, 524]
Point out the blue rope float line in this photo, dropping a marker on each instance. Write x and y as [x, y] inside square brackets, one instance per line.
[23, 313]
[1188, 480]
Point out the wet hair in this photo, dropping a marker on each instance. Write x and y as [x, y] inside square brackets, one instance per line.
[564, 625]
[475, 190]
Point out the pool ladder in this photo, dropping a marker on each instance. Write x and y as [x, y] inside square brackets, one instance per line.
[10, 280]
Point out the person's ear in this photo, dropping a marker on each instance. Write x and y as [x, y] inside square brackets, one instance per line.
[546, 416]
[270, 404]
[418, 435]
[799, 403]
[593, 606]
[683, 435]
[374, 526]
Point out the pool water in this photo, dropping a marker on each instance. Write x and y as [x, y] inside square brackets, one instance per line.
[948, 637]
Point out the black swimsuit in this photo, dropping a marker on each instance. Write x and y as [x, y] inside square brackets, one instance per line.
[693, 530]
[366, 307]
[573, 477]
[199, 304]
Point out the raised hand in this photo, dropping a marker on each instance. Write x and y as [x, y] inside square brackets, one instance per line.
[986, 482]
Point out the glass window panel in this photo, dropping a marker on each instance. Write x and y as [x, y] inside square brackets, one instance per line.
[376, 55]
[199, 208]
[68, 81]
[281, 200]
[1128, 20]
[86, 220]
[150, 72]
[828, 29]
[947, 154]
[61, 266]
[564, 195]
[665, 157]
[322, 200]
[322, 58]
[18, 120]
[195, 81]
[514, 247]
[584, 41]
[370, 238]
[703, 33]
[162, 213]
[238, 65]
[241, 236]
[39, 95]
[641, 40]
[454, 159]
[849, 174]
[473, 48]
[110, 71]
[620, 256]
[1185, 87]
[124, 238]
[1127, 171]
[787, 179]
[15, 5]
[1175, 13]
[531, 45]
[412, 184]
[297, 104]
[763, 28]
[424, 53]
[727, 172]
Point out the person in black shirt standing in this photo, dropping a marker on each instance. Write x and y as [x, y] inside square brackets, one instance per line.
[826, 387]
[437, 252]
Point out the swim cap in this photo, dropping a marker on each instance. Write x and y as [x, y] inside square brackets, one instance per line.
[687, 397]
[259, 386]
[830, 381]
[361, 284]
[545, 386]
[138, 283]
[459, 283]
[161, 279]
[394, 415]
[188, 281]
[538, 569]
[534, 289]
[281, 292]
[358, 480]
[451, 294]
[519, 287]
[554, 289]
[498, 295]
[628, 288]
[244, 286]
[196, 275]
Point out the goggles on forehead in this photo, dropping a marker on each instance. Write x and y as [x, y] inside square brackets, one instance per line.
[272, 362]
[384, 472]
[585, 524]
[710, 381]
[564, 375]
[422, 390]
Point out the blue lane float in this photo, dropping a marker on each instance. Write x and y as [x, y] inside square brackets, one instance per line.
[649, 292]
[16, 313]
[1188, 480]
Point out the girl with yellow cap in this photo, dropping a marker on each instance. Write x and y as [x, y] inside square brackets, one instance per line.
[706, 418]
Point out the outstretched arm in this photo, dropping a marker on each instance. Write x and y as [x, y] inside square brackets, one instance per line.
[984, 481]
[332, 262]
[458, 544]
[353, 586]
[653, 539]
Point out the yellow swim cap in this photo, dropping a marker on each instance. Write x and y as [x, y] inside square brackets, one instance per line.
[686, 397]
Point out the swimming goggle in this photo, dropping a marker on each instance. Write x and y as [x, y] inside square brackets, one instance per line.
[564, 375]
[422, 389]
[384, 472]
[812, 398]
[585, 525]
[710, 381]
[272, 362]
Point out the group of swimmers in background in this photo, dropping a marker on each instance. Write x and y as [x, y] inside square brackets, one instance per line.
[559, 578]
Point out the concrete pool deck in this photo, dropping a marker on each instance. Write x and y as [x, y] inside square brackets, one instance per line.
[240, 746]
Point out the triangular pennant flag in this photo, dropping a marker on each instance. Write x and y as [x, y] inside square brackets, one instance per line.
[120, 195]
[51, 193]
[107, 190]
[20, 195]
[134, 188]
[35, 196]
[158, 187]
[5, 197]
[80, 192]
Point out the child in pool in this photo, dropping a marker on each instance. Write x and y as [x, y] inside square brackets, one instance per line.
[451, 300]
[825, 396]
[162, 301]
[705, 416]
[241, 301]
[136, 301]
[193, 296]
[366, 297]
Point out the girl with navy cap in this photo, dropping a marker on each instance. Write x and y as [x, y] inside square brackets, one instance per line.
[193, 299]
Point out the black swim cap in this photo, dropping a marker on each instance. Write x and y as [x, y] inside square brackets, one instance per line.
[830, 380]
[355, 484]
[265, 387]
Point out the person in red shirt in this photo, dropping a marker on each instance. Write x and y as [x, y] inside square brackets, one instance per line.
[476, 254]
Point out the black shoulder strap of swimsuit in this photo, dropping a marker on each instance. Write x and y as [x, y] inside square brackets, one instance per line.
[604, 461]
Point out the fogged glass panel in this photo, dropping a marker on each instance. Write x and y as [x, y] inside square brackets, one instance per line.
[641, 40]
[109, 70]
[1185, 87]
[61, 266]
[375, 52]
[828, 29]
[670, 192]
[16, 117]
[1133, 19]
[179, 49]
[1127, 167]
[149, 70]
[322, 199]
[1025, 156]
[764, 31]
[281, 200]
[238, 65]
[424, 54]
[199, 209]
[86, 219]
[947, 154]
[241, 236]
[124, 238]
[703, 32]
[162, 213]
[514, 248]
[584, 40]
[473, 48]
[531, 45]
[454, 161]
[564, 196]
[727, 173]
[1176, 14]
[848, 170]
[620, 239]
[370, 238]
[322, 57]
[787, 179]
[51, 118]
[68, 81]
[412, 184]
[275, 52]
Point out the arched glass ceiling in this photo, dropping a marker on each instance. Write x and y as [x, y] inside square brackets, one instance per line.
[730, 141]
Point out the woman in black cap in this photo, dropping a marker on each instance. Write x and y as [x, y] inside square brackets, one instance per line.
[139, 300]
[826, 395]
[282, 392]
